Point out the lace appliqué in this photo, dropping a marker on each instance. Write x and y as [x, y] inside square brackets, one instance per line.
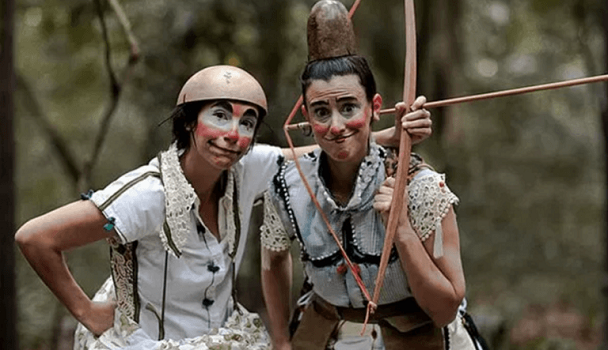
[179, 200]
[272, 233]
[230, 214]
[113, 338]
[242, 330]
[122, 261]
[430, 200]
[368, 170]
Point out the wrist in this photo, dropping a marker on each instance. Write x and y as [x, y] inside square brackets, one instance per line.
[387, 137]
[282, 343]
[405, 234]
[81, 310]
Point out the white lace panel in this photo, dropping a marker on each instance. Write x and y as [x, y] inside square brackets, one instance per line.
[230, 225]
[179, 199]
[273, 235]
[122, 261]
[430, 200]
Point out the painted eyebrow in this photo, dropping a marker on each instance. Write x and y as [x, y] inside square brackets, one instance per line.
[223, 104]
[251, 112]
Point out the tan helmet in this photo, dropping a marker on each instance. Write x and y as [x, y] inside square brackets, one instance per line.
[223, 83]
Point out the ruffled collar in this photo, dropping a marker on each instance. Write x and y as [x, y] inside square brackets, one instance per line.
[181, 199]
[368, 170]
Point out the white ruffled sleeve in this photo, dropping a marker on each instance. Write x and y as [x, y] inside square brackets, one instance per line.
[430, 199]
[273, 235]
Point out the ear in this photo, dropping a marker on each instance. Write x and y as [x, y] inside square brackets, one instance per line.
[376, 107]
[190, 127]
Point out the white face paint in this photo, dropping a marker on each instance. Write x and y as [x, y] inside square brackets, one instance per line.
[225, 131]
[227, 117]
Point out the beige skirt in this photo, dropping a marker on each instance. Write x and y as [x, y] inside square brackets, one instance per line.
[243, 330]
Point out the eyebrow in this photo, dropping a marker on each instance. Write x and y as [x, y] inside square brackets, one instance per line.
[319, 103]
[339, 99]
[346, 98]
[223, 104]
[251, 112]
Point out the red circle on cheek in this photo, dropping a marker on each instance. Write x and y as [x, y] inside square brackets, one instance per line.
[204, 131]
[357, 123]
[320, 129]
[342, 154]
[244, 142]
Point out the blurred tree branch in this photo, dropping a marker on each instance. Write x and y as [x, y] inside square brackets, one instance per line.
[126, 26]
[8, 311]
[81, 175]
[35, 110]
[115, 86]
[604, 116]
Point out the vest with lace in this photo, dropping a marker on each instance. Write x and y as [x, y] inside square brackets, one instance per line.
[359, 226]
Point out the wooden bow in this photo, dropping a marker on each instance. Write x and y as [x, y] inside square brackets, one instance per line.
[286, 128]
[398, 201]
[405, 147]
[399, 194]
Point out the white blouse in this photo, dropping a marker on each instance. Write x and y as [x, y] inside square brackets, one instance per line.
[154, 211]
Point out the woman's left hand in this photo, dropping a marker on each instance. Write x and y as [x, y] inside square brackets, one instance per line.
[417, 122]
[382, 204]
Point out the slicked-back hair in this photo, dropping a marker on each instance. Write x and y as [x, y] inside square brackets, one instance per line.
[185, 118]
[327, 68]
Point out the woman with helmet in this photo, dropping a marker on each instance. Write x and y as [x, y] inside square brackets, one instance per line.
[176, 227]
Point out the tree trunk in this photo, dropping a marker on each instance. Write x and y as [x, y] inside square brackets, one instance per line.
[604, 285]
[8, 309]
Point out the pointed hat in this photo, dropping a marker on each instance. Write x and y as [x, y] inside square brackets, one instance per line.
[330, 31]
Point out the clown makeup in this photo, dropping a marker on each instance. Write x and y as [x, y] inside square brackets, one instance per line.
[340, 116]
[348, 108]
[224, 132]
[233, 120]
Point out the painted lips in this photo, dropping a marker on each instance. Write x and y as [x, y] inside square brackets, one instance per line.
[224, 150]
[340, 139]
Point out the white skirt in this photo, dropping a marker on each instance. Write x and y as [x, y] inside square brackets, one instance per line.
[243, 330]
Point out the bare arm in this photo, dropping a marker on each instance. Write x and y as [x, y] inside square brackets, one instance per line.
[43, 240]
[276, 284]
[437, 284]
[288, 154]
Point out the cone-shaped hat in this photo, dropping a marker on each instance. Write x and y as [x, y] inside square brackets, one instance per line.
[330, 31]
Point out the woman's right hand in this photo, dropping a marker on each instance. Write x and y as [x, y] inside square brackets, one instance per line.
[383, 198]
[100, 317]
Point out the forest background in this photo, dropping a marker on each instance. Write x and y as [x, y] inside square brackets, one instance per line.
[529, 170]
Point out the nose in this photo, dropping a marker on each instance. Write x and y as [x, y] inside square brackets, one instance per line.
[233, 134]
[337, 124]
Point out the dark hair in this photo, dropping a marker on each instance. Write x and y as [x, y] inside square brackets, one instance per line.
[327, 68]
[185, 118]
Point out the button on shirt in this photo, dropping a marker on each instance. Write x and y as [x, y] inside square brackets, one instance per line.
[199, 282]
